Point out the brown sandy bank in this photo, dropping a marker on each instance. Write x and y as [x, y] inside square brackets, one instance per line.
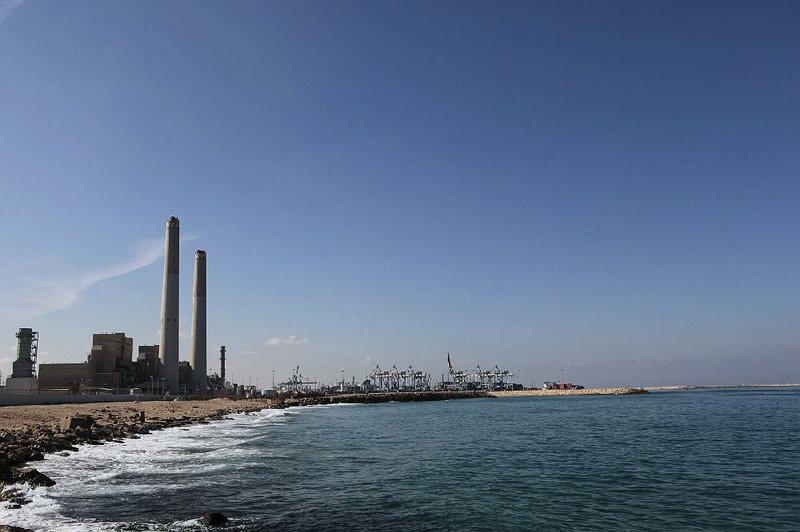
[16, 418]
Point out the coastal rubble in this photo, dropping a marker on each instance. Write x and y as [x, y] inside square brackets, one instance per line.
[27, 433]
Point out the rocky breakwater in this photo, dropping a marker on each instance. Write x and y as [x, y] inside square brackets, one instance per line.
[377, 397]
[28, 433]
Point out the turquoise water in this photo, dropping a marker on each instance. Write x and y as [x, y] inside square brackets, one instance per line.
[727, 459]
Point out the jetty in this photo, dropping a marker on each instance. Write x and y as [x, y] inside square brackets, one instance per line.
[574, 391]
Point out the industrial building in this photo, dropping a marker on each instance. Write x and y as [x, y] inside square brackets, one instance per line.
[112, 356]
[69, 376]
[110, 365]
[147, 365]
[23, 376]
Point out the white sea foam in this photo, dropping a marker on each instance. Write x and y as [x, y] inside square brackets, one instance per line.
[160, 456]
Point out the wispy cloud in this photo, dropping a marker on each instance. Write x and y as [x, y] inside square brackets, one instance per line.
[7, 7]
[290, 340]
[38, 296]
[7, 268]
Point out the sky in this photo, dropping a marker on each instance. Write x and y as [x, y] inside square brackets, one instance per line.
[601, 191]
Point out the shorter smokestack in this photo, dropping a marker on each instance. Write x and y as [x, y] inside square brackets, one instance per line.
[222, 363]
[197, 345]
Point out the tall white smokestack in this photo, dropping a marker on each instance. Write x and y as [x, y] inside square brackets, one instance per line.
[168, 345]
[197, 346]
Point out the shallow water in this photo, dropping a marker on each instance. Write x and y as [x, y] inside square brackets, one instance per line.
[672, 460]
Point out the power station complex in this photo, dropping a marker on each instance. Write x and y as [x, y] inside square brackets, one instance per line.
[110, 365]
[157, 369]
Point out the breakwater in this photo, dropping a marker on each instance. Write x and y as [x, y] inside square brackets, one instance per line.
[558, 393]
[398, 397]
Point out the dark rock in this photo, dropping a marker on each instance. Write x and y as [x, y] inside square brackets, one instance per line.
[214, 519]
[73, 422]
[29, 475]
[5, 470]
[19, 456]
[36, 456]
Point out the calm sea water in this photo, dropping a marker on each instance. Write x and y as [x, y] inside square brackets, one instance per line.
[727, 459]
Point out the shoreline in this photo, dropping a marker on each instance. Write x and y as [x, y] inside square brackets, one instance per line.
[680, 387]
[29, 432]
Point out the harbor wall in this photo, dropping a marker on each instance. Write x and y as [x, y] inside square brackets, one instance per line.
[377, 397]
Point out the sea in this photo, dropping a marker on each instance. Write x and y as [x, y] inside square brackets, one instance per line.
[722, 459]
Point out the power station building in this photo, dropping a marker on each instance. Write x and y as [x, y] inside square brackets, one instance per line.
[23, 376]
[112, 356]
[147, 364]
[69, 376]
[110, 365]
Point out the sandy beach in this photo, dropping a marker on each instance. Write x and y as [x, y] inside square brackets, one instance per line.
[680, 387]
[15, 418]
[556, 393]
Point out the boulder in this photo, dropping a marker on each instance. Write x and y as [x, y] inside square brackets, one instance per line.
[5, 470]
[29, 475]
[73, 422]
[9, 528]
[214, 519]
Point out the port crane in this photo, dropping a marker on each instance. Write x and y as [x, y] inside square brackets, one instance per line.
[297, 383]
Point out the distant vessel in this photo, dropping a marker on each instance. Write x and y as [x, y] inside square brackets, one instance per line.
[551, 385]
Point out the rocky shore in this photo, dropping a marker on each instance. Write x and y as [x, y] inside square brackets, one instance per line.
[27, 433]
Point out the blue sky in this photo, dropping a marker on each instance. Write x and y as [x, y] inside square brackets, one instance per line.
[608, 188]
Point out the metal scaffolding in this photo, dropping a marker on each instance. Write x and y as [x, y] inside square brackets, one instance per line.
[477, 379]
[395, 380]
